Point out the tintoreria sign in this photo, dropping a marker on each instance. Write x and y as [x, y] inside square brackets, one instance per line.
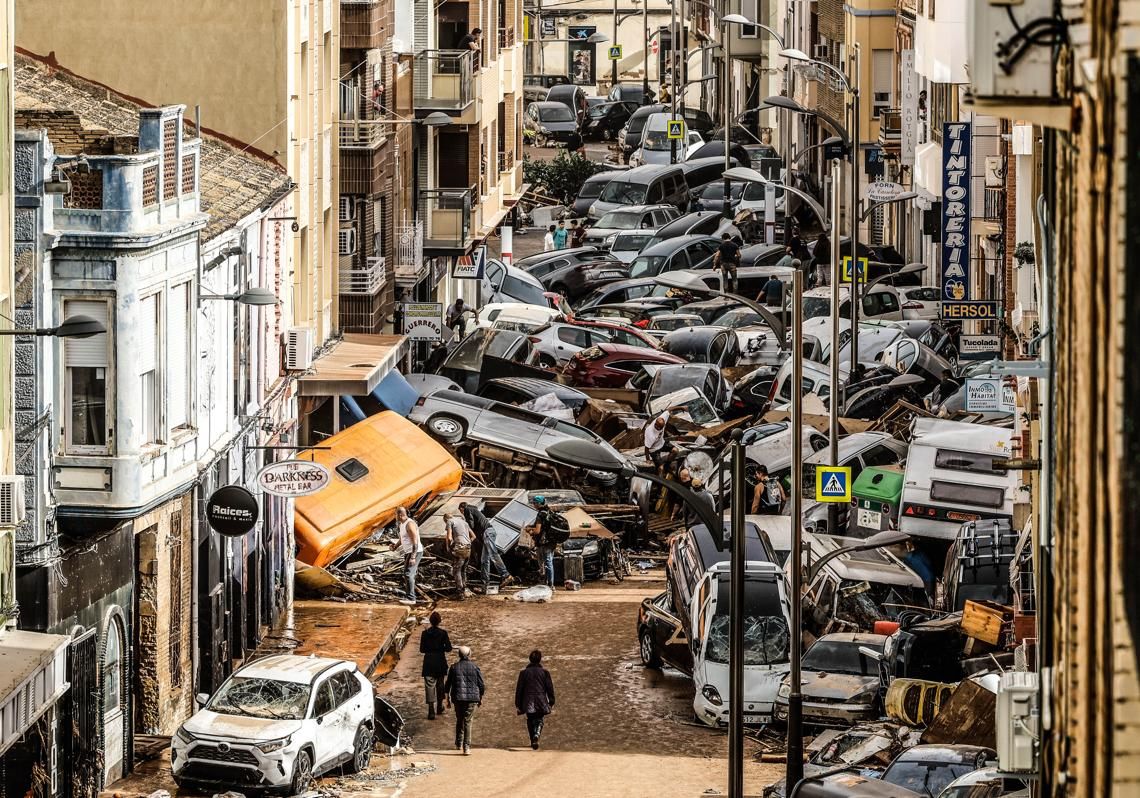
[293, 478]
[956, 210]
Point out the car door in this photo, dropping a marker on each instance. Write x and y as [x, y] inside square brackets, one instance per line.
[677, 261]
[346, 697]
[493, 276]
[669, 635]
[569, 340]
[326, 742]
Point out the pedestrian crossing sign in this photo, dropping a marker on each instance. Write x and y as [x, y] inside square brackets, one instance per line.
[833, 484]
[676, 129]
[845, 269]
[615, 52]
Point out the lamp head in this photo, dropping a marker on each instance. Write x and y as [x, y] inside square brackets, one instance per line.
[884, 539]
[737, 19]
[79, 327]
[792, 54]
[787, 103]
[436, 119]
[257, 297]
[597, 38]
[586, 454]
[682, 281]
[744, 174]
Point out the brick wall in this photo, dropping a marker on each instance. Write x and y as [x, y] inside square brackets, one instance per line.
[164, 676]
[1009, 268]
[832, 22]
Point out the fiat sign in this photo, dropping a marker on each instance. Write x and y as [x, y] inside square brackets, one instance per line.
[293, 478]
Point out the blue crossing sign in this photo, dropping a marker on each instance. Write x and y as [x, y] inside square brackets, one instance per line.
[833, 484]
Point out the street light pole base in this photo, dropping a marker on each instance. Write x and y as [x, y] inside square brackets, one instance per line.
[795, 757]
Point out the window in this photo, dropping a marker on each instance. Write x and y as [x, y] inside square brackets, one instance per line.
[113, 668]
[879, 303]
[750, 9]
[879, 456]
[344, 687]
[882, 80]
[575, 336]
[147, 359]
[958, 493]
[86, 361]
[179, 357]
[964, 461]
[176, 624]
[627, 366]
[323, 704]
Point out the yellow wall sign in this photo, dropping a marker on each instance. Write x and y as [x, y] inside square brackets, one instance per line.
[845, 269]
[615, 52]
[833, 484]
[676, 129]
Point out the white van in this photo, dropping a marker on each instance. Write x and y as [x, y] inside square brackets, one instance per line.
[950, 477]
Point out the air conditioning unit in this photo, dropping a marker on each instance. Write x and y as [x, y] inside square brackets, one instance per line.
[821, 52]
[11, 499]
[347, 242]
[1017, 721]
[1011, 49]
[347, 209]
[298, 348]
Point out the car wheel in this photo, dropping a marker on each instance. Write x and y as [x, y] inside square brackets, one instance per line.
[302, 773]
[446, 429]
[361, 750]
[547, 362]
[649, 656]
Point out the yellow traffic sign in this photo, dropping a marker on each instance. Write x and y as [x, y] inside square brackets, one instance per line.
[845, 269]
[615, 52]
[676, 129]
[833, 484]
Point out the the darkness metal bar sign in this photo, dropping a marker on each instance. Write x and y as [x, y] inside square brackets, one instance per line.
[956, 210]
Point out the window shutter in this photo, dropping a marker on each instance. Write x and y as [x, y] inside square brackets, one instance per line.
[178, 339]
[87, 352]
[148, 332]
[882, 73]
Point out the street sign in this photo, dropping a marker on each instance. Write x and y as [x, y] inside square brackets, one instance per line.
[470, 267]
[675, 128]
[232, 511]
[956, 240]
[834, 152]
[845, 269]
[882, 191]
[988, 395]
[979, 347]
[423, 321]
[833, 483]
[615, 52]
[292, 478]
[973, 310]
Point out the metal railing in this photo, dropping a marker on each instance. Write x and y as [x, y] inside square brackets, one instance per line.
[363, 280]
[449, 215]
[506, 161]
[993, 204]
[410, 264]
[442, 79]
[357, 136]
[890, 121]
[506, 38]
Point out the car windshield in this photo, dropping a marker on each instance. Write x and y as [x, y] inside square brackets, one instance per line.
[669, 380]
[632, 242]
[816, 306]
[592, 189]
[559, 113]
[646, 265]
[739, 317]
[622, 192]
[926, 778]
[716, 190]
[755, 191]
[619, 220]
[833, 656]
[673, 323]
[523, 291]
[261, 698]
[765, 640]
[598, 111]
[516, 514]
[657, 140]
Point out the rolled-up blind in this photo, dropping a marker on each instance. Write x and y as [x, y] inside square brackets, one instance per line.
[148, 334]
[93, 352]
[177, 355]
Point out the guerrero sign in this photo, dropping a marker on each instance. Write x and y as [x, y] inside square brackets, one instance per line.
[293, 478]
[232, 511]
[423, 321]
[955, 210]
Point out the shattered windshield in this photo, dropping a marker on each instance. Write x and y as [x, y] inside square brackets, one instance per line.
[864, 603]
[835, 657]
[765, 640]
[261, 698]
[926, 778]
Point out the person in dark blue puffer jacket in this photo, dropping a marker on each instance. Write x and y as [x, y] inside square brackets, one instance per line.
[465, 686]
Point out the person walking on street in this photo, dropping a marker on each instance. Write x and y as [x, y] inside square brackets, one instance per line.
[560, 235]
[413, 549]
[490, 556]
[548, 240]
[728, 261]
[577, 233]
[465, 686]
[434, 645]
[457, 535]
[821, 259]
[534, 696]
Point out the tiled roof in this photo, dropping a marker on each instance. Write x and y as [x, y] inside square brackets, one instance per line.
[232, 183]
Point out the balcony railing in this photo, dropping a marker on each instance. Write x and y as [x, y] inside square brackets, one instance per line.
[443, 79]
[506, 161]
[993, 204]
[363, 134]
[450, 216]
[890, 121]
[362, 281]
[410, 264]
[506, 38]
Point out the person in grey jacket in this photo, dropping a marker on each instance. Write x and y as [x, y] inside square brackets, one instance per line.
[465, 686]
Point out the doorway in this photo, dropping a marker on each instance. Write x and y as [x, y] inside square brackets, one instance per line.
[114, 701]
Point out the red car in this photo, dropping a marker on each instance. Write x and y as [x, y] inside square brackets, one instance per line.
[611, 365]
[620, 333]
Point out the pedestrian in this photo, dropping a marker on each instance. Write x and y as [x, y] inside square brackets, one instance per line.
[434, 645]
[786, 261]
[544, 540]
[575, 142]
[685, 479]
[657, 446]
[728, 261]
[560, 235]
[534, 696]
[548, 239]
[457, 535]
[490, 554]
[471, 42]
[772, 293]
[456, 319]
[577, 233]
[465, 686]
[821, 259]
[704, 499]
[768, 496]
[413, 549]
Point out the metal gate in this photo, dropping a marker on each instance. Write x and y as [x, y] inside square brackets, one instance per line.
[83, 717]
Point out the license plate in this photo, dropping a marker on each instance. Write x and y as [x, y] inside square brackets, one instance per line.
[757, 719]
[615, 275]
[870, 519]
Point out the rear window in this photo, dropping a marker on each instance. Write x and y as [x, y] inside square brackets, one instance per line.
[592, 189]
[964, 461]
[970, 495]
[620, 220]
[622, 192]
[560, 113]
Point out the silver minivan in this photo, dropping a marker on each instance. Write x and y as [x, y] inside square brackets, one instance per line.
[645, 185]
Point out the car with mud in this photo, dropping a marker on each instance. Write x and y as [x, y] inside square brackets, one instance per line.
[839, 682]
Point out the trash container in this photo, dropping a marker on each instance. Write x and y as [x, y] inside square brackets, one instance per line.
[572, 568]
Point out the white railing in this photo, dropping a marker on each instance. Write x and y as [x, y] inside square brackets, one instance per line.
[410, 251]
[362, 281]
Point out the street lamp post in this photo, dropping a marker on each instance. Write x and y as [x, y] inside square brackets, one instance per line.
[795, 757]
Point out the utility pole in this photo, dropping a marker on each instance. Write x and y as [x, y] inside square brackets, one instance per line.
[788, 120]
[672, 76]
[614, 79]
[795, 747]
[645, 49]
[855, 121]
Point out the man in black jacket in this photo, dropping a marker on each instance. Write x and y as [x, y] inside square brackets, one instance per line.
[485, 533]
[465, 686]
[434, 645]
[534, 696]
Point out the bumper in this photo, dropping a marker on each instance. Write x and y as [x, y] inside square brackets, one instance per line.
[755, 714]
[202, 764]
[819, 714]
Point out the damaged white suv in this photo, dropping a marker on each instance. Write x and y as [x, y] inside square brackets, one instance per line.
[276, 724]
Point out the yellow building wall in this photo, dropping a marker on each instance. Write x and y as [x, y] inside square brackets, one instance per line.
[869, 26]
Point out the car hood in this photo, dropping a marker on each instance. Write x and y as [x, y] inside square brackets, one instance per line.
[560, 127]
[206, 723]
[836, 686]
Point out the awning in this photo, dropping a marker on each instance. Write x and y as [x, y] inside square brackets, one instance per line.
[33, 676]
[396, 394]
[353, 366]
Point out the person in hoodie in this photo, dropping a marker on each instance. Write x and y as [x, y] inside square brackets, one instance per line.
[534, 696]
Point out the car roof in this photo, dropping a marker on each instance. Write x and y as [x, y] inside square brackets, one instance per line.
[689, 335]
[650, 171]
[536, 387]
[290, 668]
[874, 565]
[674, 243]
[851, 444]
[958, 754]
[640, 352]
[756, 547]
[648, 110]
[637, 209]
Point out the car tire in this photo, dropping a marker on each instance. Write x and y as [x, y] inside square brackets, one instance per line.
[361, 750]
[446, 428]
[547, 362]
[302, 773]
[649, 656]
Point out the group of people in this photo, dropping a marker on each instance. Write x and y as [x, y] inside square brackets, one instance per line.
[559, 237]
[461, 685]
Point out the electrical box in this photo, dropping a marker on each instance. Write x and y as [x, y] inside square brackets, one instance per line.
[1017, 722]
[1011, 55]
[11, 500]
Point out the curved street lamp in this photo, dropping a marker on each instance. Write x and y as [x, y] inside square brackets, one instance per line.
[72, 327]
[746, 175]
[690, 281]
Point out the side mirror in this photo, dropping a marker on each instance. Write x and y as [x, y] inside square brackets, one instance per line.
[320, 719]
[202, 699]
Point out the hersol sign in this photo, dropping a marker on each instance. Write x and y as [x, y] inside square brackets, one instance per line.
[975, 310]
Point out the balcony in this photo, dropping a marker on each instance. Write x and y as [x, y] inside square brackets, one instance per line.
[361, 280]
[890, 128]
[360, 24]
[364, 134]
[506, 38]
[451, 216]
[993, 204]
[410, 265]
[506, 161]
[443, 81]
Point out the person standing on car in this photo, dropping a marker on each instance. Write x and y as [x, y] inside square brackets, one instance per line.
[656, 444]
[769, 495]
[456, 319]
[548, 240]
[412, 547]
[772, 294]
[457, 534]
[534, 696]
[482, 527]
[434, 645]
[561, 235]
[544, 544]
[728, 260]
[465, 686]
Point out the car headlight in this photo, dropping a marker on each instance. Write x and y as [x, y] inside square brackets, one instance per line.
[711, 695]
[184, 736]
[867, 694]
[590, 548]
[274, 745]
[784, 691]
[610, 239]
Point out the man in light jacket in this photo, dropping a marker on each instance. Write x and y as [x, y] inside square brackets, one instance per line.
[465, 686]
